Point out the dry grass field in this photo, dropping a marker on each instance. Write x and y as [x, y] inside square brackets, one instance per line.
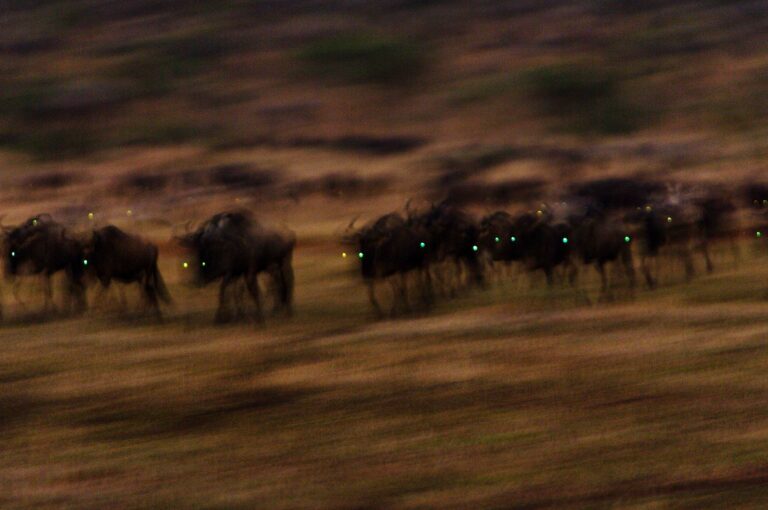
[152, 114]
[512, 397]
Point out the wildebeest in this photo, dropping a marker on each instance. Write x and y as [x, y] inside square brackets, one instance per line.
[42, 246]
[116, 255]
[453, 238]
[390, 249]
[233, 248]
[717, 222]
[600, 240]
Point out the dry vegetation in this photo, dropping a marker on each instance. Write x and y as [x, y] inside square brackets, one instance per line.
[150, 114]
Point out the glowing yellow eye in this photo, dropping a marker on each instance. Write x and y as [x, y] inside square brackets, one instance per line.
[128, 212]
[90, 215]
[669, 219]
[344, 254]
[185, 265]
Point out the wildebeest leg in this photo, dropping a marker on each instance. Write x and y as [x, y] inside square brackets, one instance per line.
[427, 295]
[150, 296]
[647, 271]
[123, 300]
[629, 269]
[707, 259]
[548, 271]
[688, 262]
[396, 295]
[286, 287]
[735, 251]
[48, 292]
[604, 287]
[221, 312]
[404, 292]
[252, 283]
[17, 294]
[370, 283]
[239, 291]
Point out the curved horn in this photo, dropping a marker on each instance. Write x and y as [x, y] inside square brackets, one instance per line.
[4, 229]
[352, 223]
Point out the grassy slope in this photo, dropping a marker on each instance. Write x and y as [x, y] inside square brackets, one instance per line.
[503, 398]
[507, 398]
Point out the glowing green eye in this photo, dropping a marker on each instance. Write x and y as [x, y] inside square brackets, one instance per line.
[758, 234]
[360, 254]
[203, 264]
[497, 239]
[185, 265]
[34, 222]
[13, 254]
[565, 240]
[627, 239]
[85, 262]
[474, 247]
[423, 244]
[513, 239]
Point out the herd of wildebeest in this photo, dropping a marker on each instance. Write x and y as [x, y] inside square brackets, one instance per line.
[425, 253]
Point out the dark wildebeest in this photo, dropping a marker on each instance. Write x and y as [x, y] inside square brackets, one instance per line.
[390, 248]
[233, 248]
[539, 242]
[663, 227]
[453, 237]
[716, 222]
[600, 240]
[117, 255]
[42, 246]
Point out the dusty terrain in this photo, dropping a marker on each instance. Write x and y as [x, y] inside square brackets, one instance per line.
[150, 115]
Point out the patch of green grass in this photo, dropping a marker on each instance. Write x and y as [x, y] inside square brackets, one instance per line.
[51, 143]
[364, 58]
[483, 89]
[584, 99]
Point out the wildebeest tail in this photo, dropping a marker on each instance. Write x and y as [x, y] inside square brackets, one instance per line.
[159, 284]
[156, 281]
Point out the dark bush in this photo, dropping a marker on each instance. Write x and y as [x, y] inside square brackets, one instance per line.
[361, 58]
[618, 192]
[241, 176]
[338, 185]
[142, 182]
[51, 143]
[49, 180]
[585, 99]
[500, 193]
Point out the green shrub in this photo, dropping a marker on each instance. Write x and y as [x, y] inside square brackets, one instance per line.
[360, 58]
[483, 89]
[52, 143]
[155, 67]
[583, 99]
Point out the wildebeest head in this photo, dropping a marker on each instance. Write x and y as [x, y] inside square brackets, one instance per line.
[29, 242]
[220, 246]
